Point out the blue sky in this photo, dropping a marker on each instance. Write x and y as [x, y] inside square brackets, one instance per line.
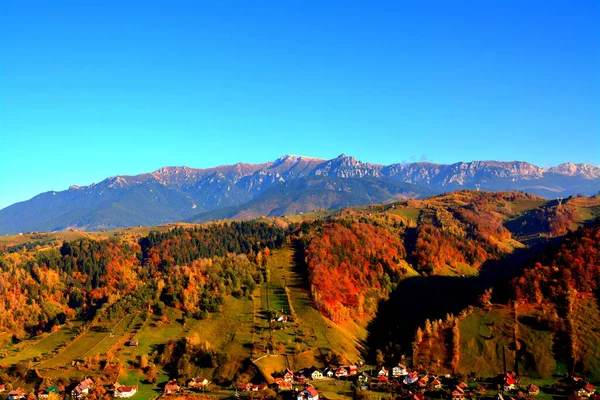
[90, 89]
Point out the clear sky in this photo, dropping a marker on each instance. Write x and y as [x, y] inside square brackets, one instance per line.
[90, 89]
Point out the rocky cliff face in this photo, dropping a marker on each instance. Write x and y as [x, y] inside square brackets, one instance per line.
[175, 193]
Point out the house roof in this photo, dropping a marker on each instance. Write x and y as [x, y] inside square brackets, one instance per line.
[533, 388]
[126, 389]
[589, 387]
[313, 392]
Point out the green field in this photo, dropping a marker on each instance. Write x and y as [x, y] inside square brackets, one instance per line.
[586, 324]
[301, 343]
[41, 346]
[95, 341]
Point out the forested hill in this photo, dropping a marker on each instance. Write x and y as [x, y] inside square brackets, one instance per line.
[44, 288]
[344, 279]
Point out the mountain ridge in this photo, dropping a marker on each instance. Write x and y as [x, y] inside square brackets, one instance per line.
[175, 193]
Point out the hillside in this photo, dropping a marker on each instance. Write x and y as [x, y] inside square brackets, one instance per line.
[70, 307]
[288, 185]
[355, 285]
[548, 327]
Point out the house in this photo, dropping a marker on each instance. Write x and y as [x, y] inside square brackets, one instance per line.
[283, 385]
[411, 378]
[2, 388]
[436, 384]
[315, 373]
[352, 370]
[309, 393]
[245, 387]
[382, 379]
[383, 372]
[363, 378]
[83, 389]
[463, 386]
[458, 394]
[172, 387]
[586, 391]
[45, 393]
[533, 390]
[133, 343]
[283, 318]
[509, 384]
[125, 391]
[201, 383]
[341, 372]
[510, 381]
[399, 370]
[423, 381]
[17, 394]
[288, 375]
[328, 372]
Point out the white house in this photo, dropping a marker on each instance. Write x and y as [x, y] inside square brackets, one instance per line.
[17, 394]
[315, 373]
[399, 370]
[82, 389]
[411, 378]
[310, 393]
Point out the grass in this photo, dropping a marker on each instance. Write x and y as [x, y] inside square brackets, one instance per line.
[145, 390]
[42, 345]
[310, 216]
[586, 322]
[483, 336]
[406, 212]
[334, 389]
[96, 340]
[303, 342]
[229, 331]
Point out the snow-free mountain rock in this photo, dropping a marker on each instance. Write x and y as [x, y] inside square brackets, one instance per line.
[287, 185]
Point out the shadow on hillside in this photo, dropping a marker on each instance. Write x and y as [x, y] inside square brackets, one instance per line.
[418, 298]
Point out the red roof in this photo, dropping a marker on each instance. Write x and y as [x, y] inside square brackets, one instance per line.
[313, 392]
[510, 381]
[383, 379]
[126, 388]
[589, 387]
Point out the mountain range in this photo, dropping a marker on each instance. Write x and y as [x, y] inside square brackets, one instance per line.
[290, 184]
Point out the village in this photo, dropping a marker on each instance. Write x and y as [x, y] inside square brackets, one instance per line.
[397, 382]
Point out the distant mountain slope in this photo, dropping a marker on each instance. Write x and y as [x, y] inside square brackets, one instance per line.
[179, 193]
[316, 192]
